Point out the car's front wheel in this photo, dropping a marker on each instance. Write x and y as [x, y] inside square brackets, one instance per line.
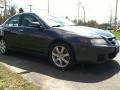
[62, 56]
[3, 47]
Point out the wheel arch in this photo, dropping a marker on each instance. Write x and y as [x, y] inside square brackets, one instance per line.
[1, 37]
[61, 41]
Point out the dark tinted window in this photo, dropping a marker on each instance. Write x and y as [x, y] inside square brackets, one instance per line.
[14, 22]
[28, 19]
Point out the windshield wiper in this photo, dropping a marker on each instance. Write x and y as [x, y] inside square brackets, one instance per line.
[57, 26]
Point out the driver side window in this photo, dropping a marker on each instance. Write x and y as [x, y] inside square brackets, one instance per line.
[28, 19]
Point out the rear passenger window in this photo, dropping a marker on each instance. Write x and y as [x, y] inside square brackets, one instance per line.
[14, 22]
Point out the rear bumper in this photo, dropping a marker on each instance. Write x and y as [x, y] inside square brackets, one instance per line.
[95, 54]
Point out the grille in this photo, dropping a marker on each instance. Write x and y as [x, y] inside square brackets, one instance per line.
[112, 41]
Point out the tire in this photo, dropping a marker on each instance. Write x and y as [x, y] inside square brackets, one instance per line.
[3, 47]
[62, 56]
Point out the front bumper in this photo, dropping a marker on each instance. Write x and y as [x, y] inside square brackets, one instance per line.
[95, 54]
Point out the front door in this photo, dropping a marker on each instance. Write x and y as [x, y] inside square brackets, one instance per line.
[32, 38]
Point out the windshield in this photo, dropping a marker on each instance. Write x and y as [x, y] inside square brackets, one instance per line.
[57, 21]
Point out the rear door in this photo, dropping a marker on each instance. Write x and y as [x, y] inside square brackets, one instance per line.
[11, 31]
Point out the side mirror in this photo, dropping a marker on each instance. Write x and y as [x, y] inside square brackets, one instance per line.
[36, 25]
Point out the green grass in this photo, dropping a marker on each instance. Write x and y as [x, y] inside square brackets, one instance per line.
[117, 34]
[12, 81]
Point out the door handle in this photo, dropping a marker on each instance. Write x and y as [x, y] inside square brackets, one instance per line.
[21, 30]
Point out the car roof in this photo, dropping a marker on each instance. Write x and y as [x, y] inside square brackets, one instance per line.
[24, 13]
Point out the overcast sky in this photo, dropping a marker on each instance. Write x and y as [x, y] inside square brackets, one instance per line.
[99, 10]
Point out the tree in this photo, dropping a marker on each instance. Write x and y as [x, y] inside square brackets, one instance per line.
[104, 26]
[12, 11]
[119, 25]
[21, 10]
[75, 21]
[80, 22]
[92, 23]
[67, 17]
[1, 19]
[1, 1]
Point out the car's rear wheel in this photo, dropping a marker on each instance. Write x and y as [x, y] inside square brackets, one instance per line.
[62, 56]
[3, 47]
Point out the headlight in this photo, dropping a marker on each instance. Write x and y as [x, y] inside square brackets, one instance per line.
[98, 42]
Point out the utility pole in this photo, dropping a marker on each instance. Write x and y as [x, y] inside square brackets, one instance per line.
[82, 6]
[1, 9]
[30, 7]
[111, 19]
[78, 11]
[84, 13]
[48, 6]
[116, 15]
[5, 11]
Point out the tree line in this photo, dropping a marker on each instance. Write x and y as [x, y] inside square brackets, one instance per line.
[92, 23]
[7, 10]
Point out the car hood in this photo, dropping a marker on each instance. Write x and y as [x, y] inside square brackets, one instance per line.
[87, 31]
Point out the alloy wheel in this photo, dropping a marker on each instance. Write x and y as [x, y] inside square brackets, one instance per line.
[2, 46]
[60, 56]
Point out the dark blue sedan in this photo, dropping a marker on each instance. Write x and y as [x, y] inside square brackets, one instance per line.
[60, 39]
